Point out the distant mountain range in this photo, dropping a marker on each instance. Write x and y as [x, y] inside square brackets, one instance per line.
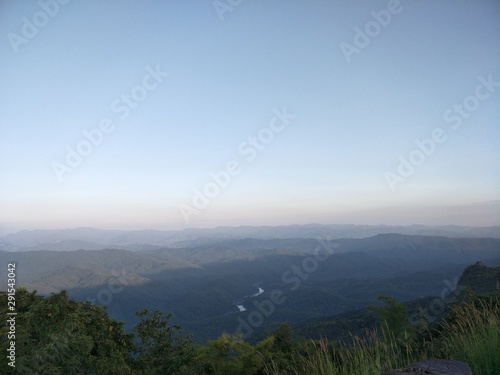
[140, 240]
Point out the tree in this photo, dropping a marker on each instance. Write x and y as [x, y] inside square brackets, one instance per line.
[280, 348]
[228, 355]
[56, 335]
[161, 349]
[396, 327]
[394, 315]
[283, 339]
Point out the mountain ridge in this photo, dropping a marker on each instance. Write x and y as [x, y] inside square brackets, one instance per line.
[91, 238]
[202, 285]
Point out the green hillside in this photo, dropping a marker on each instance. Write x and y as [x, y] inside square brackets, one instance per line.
[202, 286]
[481, 279]
[57, 335]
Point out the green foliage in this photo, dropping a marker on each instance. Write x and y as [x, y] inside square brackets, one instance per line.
[394, 316]
[471, 333]
[228, 355]
[283, 349]
[283, 339]
[265, 348]
[480, 278]
[56, 335]
[161, 348]
[200, 284]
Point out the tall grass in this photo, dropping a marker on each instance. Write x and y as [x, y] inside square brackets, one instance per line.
[472, 335]
[368, 355]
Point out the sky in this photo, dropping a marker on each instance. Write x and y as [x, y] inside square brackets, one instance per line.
[176, 114]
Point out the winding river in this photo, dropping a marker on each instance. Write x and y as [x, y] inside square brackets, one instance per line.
[240, 306]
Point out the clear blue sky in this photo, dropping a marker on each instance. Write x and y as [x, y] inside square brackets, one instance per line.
[335, 162]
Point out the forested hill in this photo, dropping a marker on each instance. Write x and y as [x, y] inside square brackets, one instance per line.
[481, 279]
[57, 335]
[204, 285]
[476, 278]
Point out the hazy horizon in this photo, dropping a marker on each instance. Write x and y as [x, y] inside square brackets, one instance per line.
[142, 115]
[131, 229]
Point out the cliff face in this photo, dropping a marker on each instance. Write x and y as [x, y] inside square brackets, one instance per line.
[481, 279]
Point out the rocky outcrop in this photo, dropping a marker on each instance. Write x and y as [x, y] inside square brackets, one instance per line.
[480, 279]
[434, 367]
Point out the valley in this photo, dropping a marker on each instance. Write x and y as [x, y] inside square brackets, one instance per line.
[247, 285]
